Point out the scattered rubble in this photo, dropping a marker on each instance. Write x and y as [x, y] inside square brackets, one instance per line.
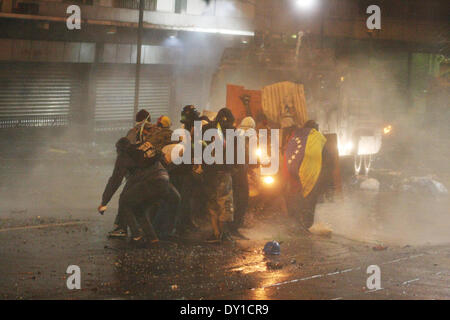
[379, 247]
[370, 184]
[273, 265]
[321, 229]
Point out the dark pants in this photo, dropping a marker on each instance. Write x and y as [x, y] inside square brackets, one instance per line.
[302, 208]
[120, 220]
[219, 195]
[139, 200]
[240, 195]
[164, 220]
[190, 203]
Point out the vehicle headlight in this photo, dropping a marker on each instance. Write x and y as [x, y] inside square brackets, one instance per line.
[387, 129]
[349, 146]
[268, 180]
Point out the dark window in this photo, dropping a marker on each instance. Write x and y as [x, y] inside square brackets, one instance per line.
[180, 6]
[149, 5]
[26, 8]
[86, 2]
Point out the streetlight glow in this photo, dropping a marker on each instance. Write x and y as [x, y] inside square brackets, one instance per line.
[306, 4]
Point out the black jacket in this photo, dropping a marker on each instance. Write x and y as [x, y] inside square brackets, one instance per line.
[128, 164]
[215, 166]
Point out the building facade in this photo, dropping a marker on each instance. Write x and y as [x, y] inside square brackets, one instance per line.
[51, 76]
[84, 78]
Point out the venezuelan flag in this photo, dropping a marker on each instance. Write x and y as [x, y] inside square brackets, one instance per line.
[303, 157]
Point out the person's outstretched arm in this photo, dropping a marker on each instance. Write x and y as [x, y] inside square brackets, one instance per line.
[114, 181]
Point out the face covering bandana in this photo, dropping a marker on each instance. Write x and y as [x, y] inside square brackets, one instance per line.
[144, 122]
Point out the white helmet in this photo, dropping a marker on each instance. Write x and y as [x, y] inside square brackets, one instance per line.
[247, 123]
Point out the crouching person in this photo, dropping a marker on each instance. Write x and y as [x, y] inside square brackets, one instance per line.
[147, 185]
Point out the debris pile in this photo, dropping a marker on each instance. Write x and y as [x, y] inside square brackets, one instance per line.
[424, 185]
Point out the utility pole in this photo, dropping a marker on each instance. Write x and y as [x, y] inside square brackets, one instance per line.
[322, 23]
[409, 80]
[138, 56]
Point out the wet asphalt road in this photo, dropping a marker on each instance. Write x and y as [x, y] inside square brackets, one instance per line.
[48, 222]
[34, 262]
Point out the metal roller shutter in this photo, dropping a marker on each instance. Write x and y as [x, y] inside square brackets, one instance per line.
[36, 95]
[155, 93]
[115, 94]
[190, 89]
[114, 97]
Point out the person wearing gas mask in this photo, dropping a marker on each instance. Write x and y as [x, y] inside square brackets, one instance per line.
[187, 180]
[240, 183]
[218, 183]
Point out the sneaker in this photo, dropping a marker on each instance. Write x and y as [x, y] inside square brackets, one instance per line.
[213, 239]
[226, 237]
[153, 243]
[117, 233]
[138, 242]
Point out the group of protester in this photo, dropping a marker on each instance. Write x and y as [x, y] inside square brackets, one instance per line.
[159, 199]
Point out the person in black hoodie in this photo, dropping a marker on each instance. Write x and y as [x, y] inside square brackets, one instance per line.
[218, 183]
[147, 185]
[143, 121]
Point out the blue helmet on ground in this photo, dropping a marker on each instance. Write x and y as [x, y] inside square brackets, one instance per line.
[272, 247]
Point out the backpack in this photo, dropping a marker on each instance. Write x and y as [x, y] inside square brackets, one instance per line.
[144, 154]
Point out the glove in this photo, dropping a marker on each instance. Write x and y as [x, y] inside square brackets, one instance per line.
[101, 209]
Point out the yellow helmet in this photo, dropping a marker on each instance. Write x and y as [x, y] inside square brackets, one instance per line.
[164, 122]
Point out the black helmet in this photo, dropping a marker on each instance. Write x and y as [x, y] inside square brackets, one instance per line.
[189, 114]
[225, 118]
